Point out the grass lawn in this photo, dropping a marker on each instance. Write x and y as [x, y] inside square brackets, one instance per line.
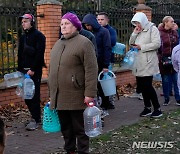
[150, 136]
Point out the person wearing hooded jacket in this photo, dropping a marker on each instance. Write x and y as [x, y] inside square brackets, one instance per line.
[103, 42]
[146, 39]
[31, 60]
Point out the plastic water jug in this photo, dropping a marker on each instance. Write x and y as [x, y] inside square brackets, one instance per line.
[19, 90]
[108, 83]
[13, 79]
[28, 87]
[157, 77]
[129, 59]
[119, 48]
[51, 121]
[92, 120]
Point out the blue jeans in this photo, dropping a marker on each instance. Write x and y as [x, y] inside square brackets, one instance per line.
[167, 81]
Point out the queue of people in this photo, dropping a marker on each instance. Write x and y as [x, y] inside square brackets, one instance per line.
[83, 50]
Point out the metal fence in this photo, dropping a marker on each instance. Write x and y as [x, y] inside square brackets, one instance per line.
[120, 13]
[10, 30]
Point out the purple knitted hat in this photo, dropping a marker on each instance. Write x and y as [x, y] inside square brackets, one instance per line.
[73, 19]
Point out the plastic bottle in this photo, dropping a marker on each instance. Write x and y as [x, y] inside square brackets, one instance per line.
[13, 79]
[130, 58]
[92, 120]
[19, 90]
[28, 87]
[106, 76]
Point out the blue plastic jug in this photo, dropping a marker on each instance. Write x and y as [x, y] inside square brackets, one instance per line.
[129, 59]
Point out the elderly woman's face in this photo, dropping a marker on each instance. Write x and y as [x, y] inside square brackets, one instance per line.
[138, 25]
[67, 27]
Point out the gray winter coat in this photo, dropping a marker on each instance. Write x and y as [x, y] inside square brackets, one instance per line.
[146, 63]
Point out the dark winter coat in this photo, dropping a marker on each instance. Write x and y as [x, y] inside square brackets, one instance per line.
[102, 39]
[31, 51]
[113, 36]
[169, 39]
[72, 72]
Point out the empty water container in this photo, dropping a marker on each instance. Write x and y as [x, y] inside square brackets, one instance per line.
[13, 79]
[92, 120]
[28, 87]
[19, 90]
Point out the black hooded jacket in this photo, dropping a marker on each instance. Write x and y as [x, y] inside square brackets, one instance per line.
[103, 40]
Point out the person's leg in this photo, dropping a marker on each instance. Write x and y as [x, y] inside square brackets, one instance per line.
[105, 99]
[147, 104]
[138, 89]
[151, 92]
[165, 85]
[2, 136]
[78, 127]
[34, 103]
[150, 96]
[67, 130]
[174, 77]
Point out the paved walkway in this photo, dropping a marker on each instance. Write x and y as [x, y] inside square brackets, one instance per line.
[37, 142]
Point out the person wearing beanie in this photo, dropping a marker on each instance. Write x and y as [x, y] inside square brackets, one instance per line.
[85, 33]
[30, 61]
[72, 82]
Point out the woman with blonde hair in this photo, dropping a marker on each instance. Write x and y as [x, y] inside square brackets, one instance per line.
[169, 39]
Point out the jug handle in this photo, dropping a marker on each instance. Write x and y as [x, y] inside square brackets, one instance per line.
[90, 104]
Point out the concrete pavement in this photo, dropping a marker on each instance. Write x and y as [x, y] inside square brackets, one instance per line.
[126, 112]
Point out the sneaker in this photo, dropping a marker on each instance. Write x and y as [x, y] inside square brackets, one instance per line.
[110, 106]
[156, 114]
[146, 112]
[140, 96]
[178, 103]
[166, 102]
[136, 95]
[32, 125]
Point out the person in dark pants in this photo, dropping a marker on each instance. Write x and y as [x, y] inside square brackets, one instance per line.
[72, 82]
[103, 42]
[146, 39]
[31, 60]
[2, 136]
[103, 20]
[169, 39]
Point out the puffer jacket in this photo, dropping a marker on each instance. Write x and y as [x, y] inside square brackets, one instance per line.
[146, 63]
[169, 39]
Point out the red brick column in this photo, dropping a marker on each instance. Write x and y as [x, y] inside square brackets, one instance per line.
[141, 7]
[48, 21]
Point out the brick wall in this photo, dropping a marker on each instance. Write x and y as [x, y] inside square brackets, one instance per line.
[8, 95]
